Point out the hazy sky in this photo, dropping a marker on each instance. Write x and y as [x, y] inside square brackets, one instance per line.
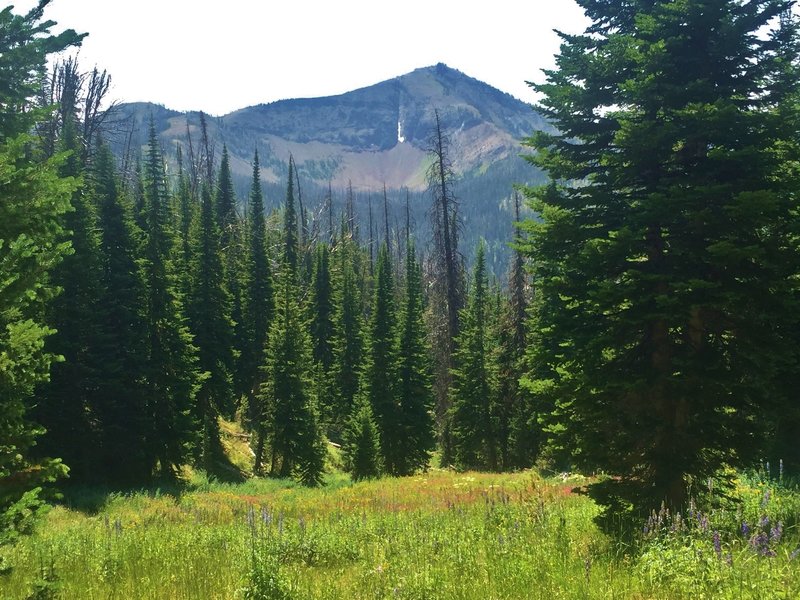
[220, 56]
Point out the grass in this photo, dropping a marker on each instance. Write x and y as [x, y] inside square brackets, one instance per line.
[441, 535]
[438, 535]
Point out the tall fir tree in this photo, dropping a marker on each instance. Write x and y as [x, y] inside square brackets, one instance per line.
[171, 372]
[296, 439]
[291, 246]
[362, 445]
[414, 386]
[65, 405]
[320, 308]
[667, 279]
[35, 200]
[121, 409]
[258, 311]
[473, 424]
[347, 344]
[379, 379]
[209, 309]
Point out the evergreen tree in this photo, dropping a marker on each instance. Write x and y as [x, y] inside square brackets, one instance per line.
[321, 319]
[34, 200]
[291, 248]
[347, 341]
[258, 310]
[667, 279]
[362, 448]
[209, 314]
[473, 426]
[65, 405]
[296, 438]
[171, 373]
[225, 202]
[380, 376]
[121, 408]
[414, 391]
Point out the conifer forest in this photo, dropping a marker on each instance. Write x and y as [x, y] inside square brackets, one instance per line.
[206, 393]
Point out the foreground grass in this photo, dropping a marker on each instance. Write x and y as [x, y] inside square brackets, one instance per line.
[441, 535]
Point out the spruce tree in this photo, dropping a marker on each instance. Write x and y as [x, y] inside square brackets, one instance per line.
[171, 372]
[209, 314]
[473, 427]
[291, 247]
[347, 335]
[258, 311]
[65, 405]
[379, 379]
[667, 278]
[296, 438]
[362, 447]
[320, 310]
[35, 199]
[414, 387]
[121, 409]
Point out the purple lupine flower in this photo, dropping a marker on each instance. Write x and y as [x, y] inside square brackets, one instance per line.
[717, 544]
[764, 522]
[767, 469]
[776, 533]
[765, 499]
[794, 554]
[745, 529]
[704, 523]
[780, 470]
[266, 516]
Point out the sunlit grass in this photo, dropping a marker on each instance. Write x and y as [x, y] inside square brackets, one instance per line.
[438, 535]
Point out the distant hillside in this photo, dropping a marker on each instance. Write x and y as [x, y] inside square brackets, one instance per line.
[370, 137]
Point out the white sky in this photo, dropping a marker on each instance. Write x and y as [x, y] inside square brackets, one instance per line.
[220, 56]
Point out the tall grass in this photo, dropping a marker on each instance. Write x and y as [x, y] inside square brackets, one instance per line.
[441, 535]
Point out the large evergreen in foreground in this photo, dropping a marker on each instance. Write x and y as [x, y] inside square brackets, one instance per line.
[667, 286]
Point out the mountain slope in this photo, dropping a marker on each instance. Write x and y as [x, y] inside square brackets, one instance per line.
[374, 136]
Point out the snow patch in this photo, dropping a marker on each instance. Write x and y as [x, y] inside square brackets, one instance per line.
[400, 137]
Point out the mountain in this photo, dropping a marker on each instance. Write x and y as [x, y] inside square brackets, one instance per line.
[374, 136]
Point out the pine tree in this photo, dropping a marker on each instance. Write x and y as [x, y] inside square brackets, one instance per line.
[414, 391]
[322, 331]
[34, 200]
[295, 435]
[291, 248]
[473, 427]
[121, 408]
[347, 335]
[65, 405]
[379, 377]
[362, 448]
[667, 279]
[225, 202]
[258, 310]
[171, 372]
[209, 314]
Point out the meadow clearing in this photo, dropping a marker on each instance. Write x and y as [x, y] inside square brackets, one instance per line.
[441, 534]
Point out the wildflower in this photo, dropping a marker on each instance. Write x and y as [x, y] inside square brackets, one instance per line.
[703, 523]
[794, 554]
[764, 522]
[717, 544]
[729, 559]
[776, 533]
[780, 470]
[745, 529]
[765, 499]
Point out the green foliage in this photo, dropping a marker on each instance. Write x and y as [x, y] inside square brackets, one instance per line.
[291, 246]
[473, 421]
[171, 373]
[379, 379]
[297, 442]
[64, 406]
[347, 335]
[209, 310]
[414, 387]
[362, 449]
[35, 198]
[121, 407]
[665, 261]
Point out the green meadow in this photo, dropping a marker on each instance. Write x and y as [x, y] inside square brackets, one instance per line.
[438, 535]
